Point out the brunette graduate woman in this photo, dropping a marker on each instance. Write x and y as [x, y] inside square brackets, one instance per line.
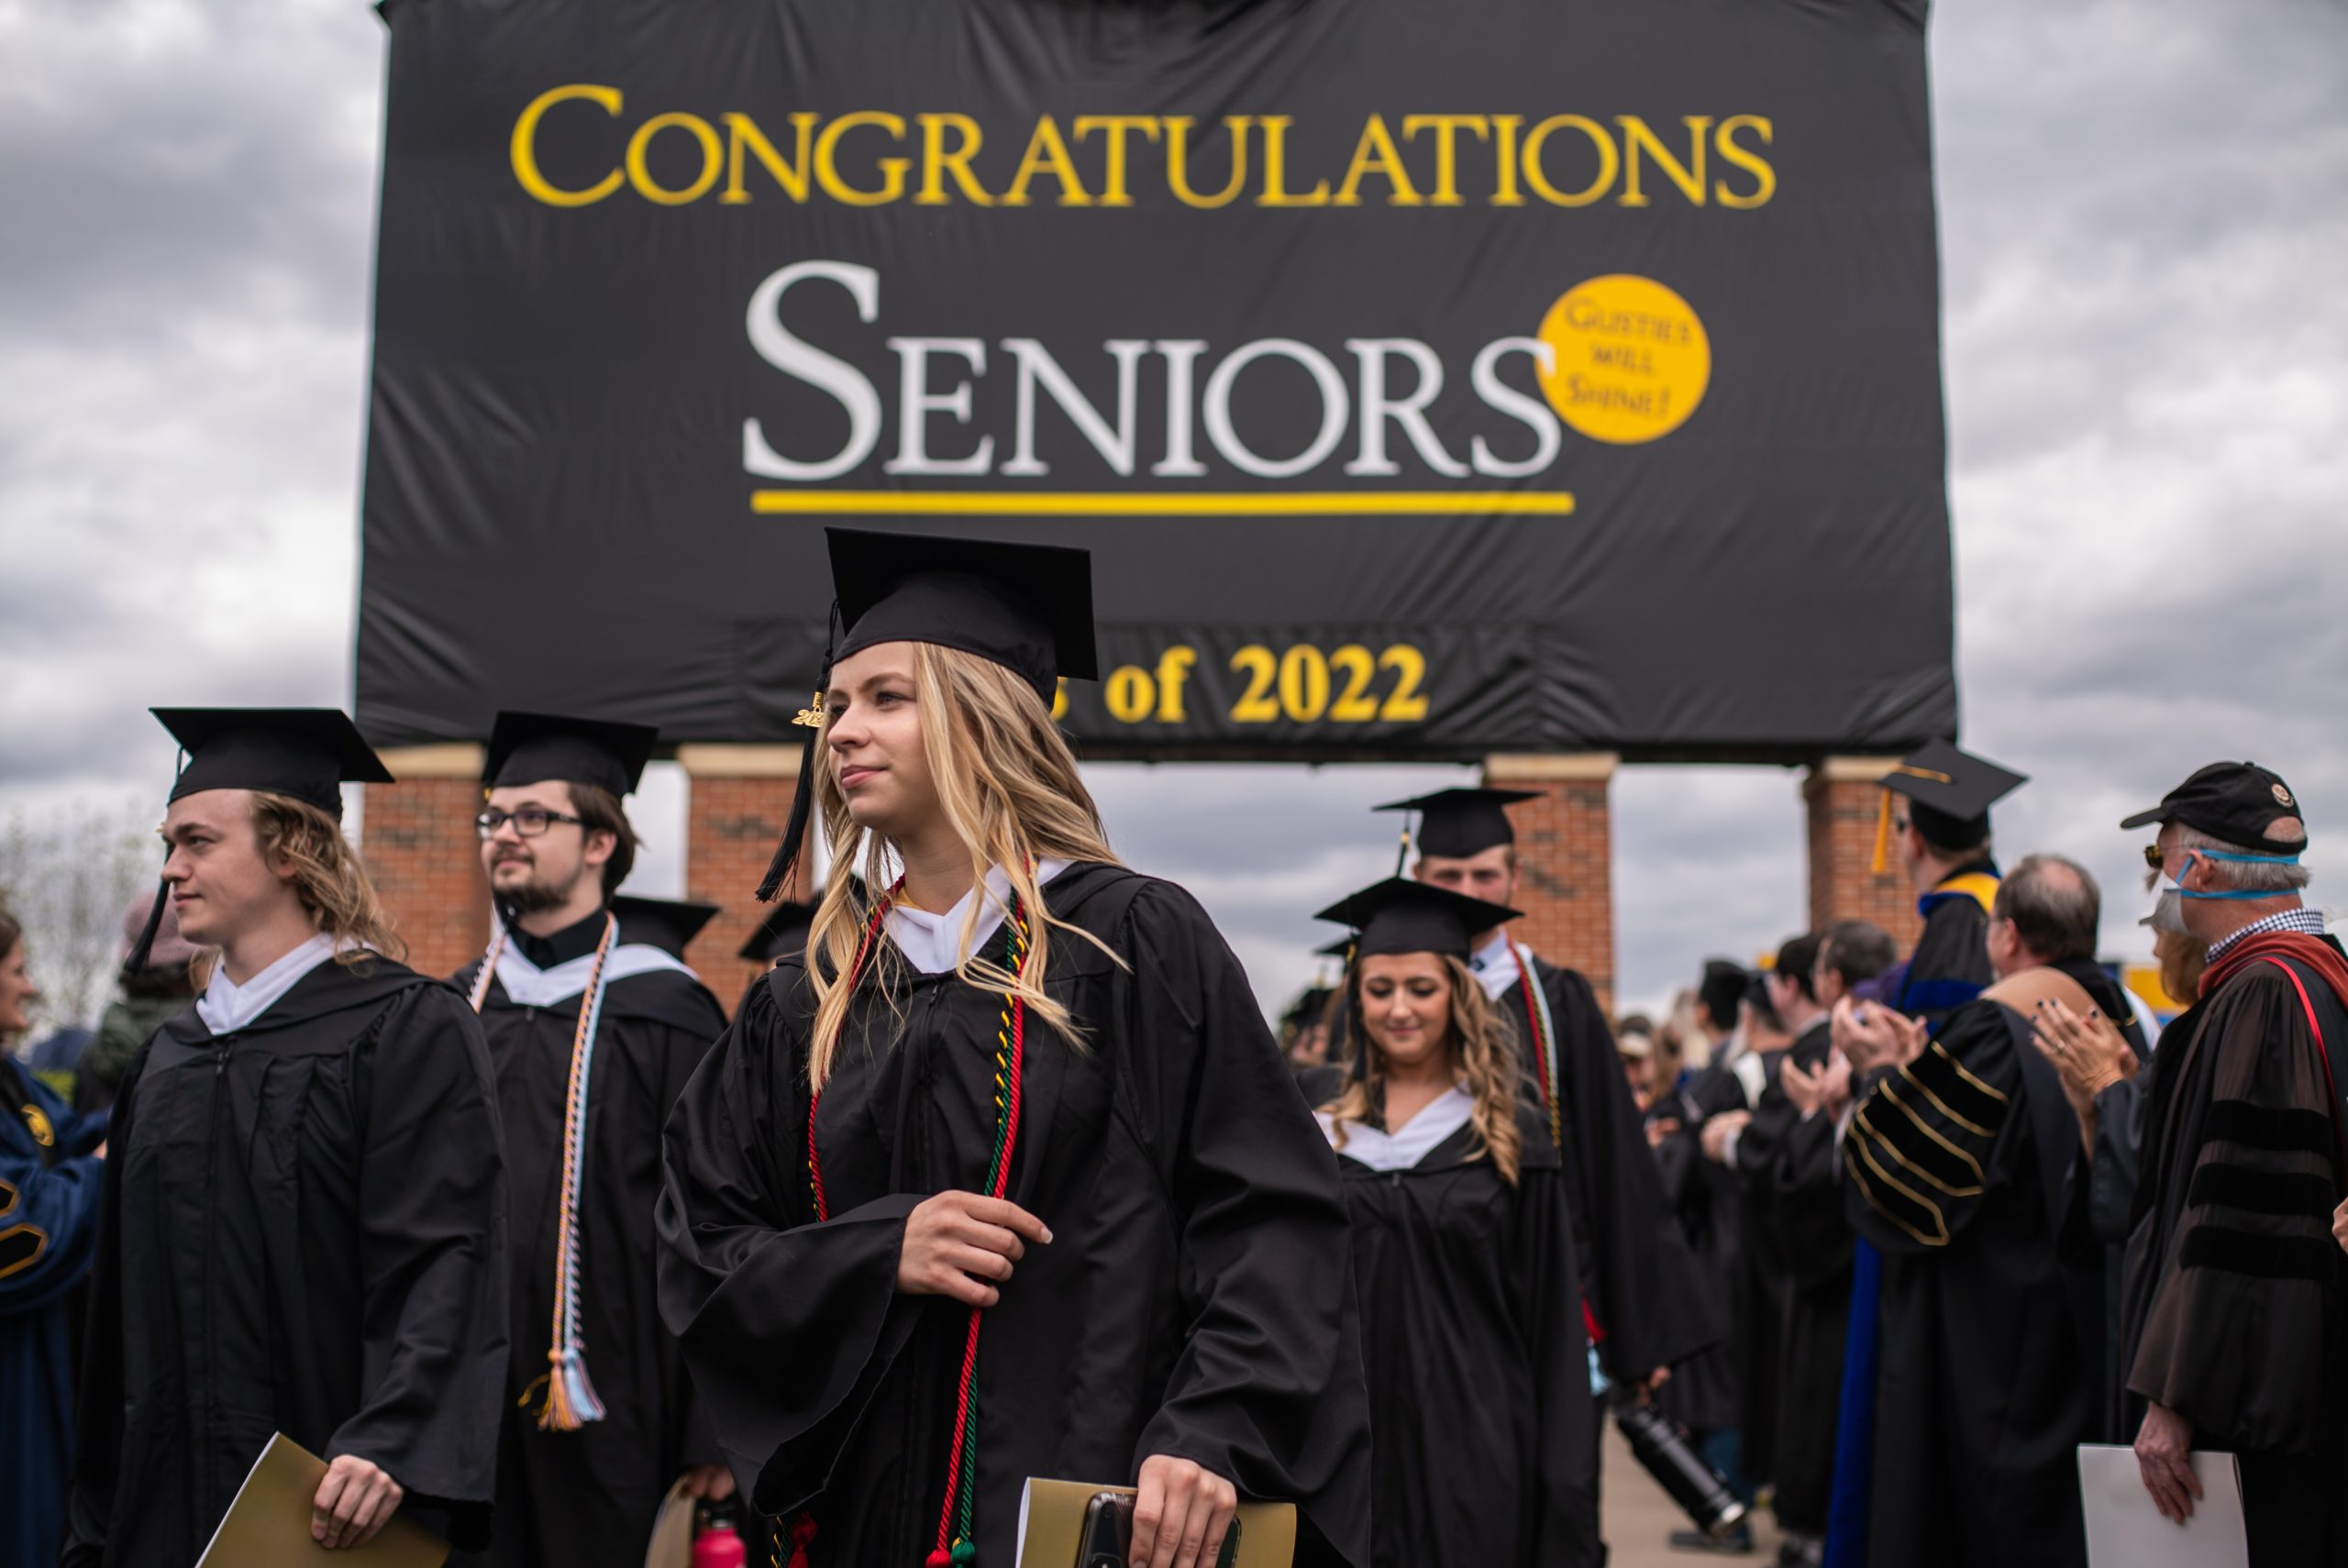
[1003, 1177]
[1481, 1420]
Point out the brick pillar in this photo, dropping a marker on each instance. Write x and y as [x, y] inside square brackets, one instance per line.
[418, 840]
[1844, 803]
[738, 799]
[1564, 846]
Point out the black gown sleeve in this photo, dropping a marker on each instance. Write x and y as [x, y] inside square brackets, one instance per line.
[1930, 1140]
[1548, 1286]
[2244, 1316]
[1809, 1203]
[2119, 1145]
[436, 1269]
[97, 1420]
[1267, 1390]
[682, 1053]
[1646, 1292]
[787, 1326]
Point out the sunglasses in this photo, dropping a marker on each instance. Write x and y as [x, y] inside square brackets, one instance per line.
[2155, 855]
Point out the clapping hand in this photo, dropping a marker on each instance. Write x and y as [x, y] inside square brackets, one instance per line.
[2090, 1053]
[1871, 1036]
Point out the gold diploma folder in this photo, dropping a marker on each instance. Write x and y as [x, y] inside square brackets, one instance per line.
[269, 1524]
[1051, 1518]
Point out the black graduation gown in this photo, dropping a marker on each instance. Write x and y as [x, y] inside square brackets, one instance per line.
[1705, 1393]
[590, 1496]
[1957, 1168]
[1643, 1286]
[1195, 1301]
[2235, 1294]
[1812, 1238]
[1481, 1420]
[303, 1231]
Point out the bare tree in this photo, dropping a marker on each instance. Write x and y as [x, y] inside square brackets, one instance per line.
[67, 874]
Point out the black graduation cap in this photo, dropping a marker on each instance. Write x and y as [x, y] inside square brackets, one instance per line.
[537, 748]
[1400, 915]
[783, 931]
[1950, 792]
[1459, 823]
[1341, 948]
[306, 753]
[670, 924]
[1025, 607]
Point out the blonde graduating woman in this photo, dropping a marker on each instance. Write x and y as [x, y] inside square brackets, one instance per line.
[302, 1228]
[1002, 1178]
[1481, 1422]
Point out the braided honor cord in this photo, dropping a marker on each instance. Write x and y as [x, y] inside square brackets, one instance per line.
[955, 1541]
[571, 1395]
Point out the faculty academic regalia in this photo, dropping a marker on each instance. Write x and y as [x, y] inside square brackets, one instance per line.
[2235, 1293]
[302, 1228]
[1485, 1452]
[49, 1182]
[303, 1232]
[1195, 1300]
[590, 1496]
[1957, 1168]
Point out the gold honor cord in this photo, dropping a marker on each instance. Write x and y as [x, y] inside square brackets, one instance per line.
[1128, 504]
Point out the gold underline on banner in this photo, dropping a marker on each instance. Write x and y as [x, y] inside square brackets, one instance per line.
[1121, 503]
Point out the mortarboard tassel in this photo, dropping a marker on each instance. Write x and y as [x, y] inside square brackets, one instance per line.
[1883, 814]
[145, 947]
[802, 799]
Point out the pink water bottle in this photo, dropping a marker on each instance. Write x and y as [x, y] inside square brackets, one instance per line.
[718, 1546]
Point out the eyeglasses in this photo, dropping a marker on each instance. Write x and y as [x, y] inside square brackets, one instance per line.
[530, 822]
[1900, 825]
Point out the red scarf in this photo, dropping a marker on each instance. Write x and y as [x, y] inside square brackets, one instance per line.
[2312, 951]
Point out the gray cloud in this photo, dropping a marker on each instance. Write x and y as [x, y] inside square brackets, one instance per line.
[2142, 220]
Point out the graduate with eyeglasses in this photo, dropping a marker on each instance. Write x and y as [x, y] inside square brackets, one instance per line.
[1001, 1176]
[593, 1024]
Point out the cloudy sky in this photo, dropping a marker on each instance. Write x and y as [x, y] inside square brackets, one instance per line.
[2144, 212]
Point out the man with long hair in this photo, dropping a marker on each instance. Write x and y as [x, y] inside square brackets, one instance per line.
[594, 1026]
[303, 1229]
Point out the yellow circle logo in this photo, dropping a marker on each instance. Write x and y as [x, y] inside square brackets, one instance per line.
[1629, 361]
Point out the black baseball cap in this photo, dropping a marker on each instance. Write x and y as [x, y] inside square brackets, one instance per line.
[2234, 802]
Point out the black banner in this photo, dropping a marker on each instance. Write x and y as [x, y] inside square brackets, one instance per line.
[1427, 380]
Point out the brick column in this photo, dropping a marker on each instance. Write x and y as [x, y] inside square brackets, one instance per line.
[1564, 846]
[1844, 803]
[738, 799]
[418, 840]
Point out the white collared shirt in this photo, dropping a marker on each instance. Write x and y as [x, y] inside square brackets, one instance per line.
[227, 1007]
[933, 942]
[1494, 965]
[1418, 1137]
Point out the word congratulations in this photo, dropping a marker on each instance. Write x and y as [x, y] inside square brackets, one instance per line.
[873, 158]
